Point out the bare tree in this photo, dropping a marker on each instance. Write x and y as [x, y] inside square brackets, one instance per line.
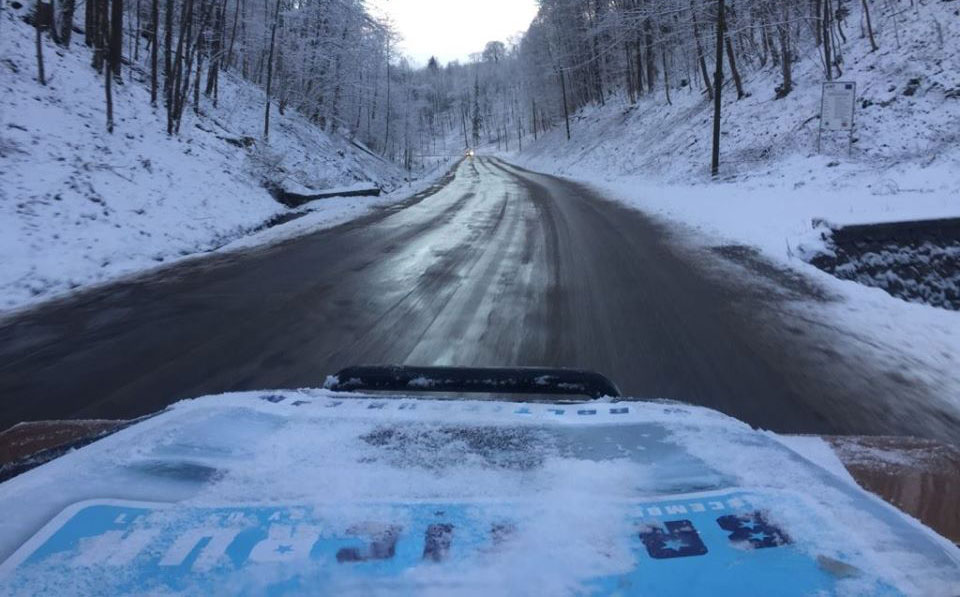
[273, 40]
[866, 15]
[116, 38]
[154, 49]
[42, 21]
[66, 16]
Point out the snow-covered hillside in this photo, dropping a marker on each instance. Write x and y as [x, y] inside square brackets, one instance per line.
[81, 206]
[905, 161]
[774, 187]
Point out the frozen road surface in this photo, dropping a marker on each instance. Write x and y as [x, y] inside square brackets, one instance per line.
[499, 267]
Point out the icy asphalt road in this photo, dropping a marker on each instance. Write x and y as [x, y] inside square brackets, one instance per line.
[499, 267]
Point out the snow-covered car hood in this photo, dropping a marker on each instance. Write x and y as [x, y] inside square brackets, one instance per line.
[308, 491]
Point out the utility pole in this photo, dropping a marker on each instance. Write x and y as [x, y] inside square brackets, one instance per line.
[718, 87]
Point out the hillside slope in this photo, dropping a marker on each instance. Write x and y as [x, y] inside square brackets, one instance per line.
[80, 206]
[907, 119]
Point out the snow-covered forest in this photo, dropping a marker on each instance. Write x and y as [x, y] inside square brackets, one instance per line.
[339, 66]
[579, 53]
[331, 61]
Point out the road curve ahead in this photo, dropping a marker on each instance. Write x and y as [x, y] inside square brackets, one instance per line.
[499, 267]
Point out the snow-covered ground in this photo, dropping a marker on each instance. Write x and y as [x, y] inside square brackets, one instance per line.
[79, 206]
[905, 165]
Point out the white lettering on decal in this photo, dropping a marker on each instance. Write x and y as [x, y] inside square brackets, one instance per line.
[210, 554]
[654, 511]
[285, 544]
[113, 548]
[235, 518]
[697, 507]
[716, 505]
[676, 510]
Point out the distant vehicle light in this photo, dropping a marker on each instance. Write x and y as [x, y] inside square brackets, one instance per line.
[470, 153]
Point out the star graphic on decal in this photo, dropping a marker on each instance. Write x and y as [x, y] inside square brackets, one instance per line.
[758, 537]
[674, 544]
[748, 524]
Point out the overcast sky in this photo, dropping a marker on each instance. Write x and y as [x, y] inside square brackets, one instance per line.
[453, 29]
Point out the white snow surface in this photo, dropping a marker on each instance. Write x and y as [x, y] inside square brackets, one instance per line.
[905, 165]
[79, 206]
[314, 449]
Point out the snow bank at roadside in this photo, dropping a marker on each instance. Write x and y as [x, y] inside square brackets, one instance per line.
[919, 342]
[79, 206]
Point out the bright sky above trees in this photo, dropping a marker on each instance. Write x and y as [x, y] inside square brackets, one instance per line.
[453, 29]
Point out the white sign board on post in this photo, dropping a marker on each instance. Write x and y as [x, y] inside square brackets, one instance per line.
[837, 107]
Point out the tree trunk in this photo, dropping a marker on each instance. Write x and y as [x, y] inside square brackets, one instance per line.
[774, 54]
[108, 85]
[273, 41]
[816, 7]
[100, 32]
[192, 49]
[136, 47]
[786, 61]
[566, 112]
[116, 37]
[598, 57]
[534, 119]
[700, 57]
[651, 65]
[154, 29]
[639, 62]
[216, 48]
[338, 83]
[66, 31]
[40, 18]
[90, 23]
[173, 90]
[167, 49]
[827, 47]
[733, 68]
[718, 87]
[233, 34]
[786, 66]
[196, 81]
[386, 136]
[519, 134]
[666, 75]
[51, 24]
[866, 14]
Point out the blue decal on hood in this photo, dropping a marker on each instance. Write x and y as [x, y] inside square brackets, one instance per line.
[718, 545]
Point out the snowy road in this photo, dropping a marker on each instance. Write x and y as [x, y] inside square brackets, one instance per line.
[500, 267]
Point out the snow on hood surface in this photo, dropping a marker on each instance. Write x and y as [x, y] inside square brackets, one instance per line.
[518, 499]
